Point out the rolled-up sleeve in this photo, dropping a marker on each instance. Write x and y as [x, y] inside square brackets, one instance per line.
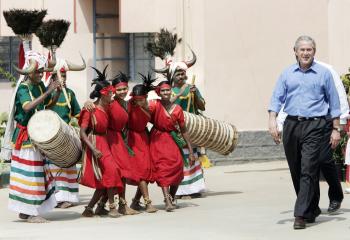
[332, 96]
[279, 94]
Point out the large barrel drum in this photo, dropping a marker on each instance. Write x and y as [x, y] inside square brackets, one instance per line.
[217, 136]
[58, 141]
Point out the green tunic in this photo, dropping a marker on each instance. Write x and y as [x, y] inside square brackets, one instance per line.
[62, 109]
[26, 93]
[184, 99]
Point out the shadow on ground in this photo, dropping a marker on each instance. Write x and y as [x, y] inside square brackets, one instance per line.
[262, 170]
[58, 216]
[213, 193]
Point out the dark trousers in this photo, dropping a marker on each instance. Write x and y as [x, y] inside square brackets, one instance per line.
[335, 191]
[302, 144]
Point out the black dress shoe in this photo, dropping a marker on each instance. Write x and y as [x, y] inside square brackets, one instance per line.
[316, 214]
[334, 207]
[299, 223]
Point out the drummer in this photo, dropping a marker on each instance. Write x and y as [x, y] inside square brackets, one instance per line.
[189, 98]
[67, 186]
[31, 189]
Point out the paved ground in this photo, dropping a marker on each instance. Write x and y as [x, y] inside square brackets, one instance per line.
[248, 201]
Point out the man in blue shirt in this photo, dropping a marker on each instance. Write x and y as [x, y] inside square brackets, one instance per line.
[308, 93]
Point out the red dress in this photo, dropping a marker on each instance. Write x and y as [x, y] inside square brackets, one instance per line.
[118, 119]
[96, 122]
[165, 154]
[138, 140]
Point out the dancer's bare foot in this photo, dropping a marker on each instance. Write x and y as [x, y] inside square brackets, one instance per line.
[124, 208]
[169, 207]
[66, 205]
[149, 207]
[101, 210]
[88, 212]
[37, 219]
[113, 213]
[136, 205]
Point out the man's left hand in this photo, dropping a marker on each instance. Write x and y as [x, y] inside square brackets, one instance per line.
[193, 88]
[335, 139]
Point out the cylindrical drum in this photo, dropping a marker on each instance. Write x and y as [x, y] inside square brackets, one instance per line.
[217, 136]
[58, 141]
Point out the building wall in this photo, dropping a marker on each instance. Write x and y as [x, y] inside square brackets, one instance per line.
[242, 46]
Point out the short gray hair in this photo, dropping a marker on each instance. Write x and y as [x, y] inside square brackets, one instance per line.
[304, 38]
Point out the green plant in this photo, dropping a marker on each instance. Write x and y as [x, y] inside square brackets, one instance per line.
[3, 165]
[339, 152]
[8, 75]
[3, 121]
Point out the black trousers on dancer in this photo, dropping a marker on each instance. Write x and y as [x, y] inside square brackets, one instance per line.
[335, 191]
[302, 138]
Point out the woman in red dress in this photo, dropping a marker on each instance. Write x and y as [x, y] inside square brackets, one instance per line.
[99, 170]
[138, 139]
[168, 120]
[116, 135]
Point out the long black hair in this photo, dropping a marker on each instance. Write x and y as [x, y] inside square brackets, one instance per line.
[100, 82]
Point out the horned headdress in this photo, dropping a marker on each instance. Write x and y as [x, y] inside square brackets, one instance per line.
[24, 23]
[162, 45]
[51, 35]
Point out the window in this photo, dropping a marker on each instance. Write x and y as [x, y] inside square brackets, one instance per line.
[9, 47]
[140, 60]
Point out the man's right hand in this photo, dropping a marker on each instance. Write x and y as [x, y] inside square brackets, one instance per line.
[274, 130]
[53, 85]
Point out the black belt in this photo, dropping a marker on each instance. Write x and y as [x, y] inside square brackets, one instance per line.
[301, 119]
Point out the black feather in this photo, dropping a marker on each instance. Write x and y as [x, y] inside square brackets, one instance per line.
[162, 44]
[52, 32]
[148, 81]
[23, 21]
[101, 76]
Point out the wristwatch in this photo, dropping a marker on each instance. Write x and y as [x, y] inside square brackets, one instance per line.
[337, 129]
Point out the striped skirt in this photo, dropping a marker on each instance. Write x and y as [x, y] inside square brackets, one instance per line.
[31, 189]
[67, 187]
[193, 181]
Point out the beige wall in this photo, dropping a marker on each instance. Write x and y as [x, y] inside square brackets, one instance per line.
[244, 61]
[242, 46]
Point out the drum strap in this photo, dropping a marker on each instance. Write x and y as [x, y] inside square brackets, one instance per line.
[178, 139]
[95, 165]
[31, 96]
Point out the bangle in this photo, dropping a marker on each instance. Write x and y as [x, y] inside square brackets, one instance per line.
[338, 129]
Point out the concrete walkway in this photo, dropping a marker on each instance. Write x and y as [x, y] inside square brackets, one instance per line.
[248, 201]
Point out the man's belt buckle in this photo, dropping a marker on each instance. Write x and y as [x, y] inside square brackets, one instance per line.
[300, 118]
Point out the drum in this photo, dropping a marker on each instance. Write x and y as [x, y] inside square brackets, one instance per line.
[58, 141]
[217, 136]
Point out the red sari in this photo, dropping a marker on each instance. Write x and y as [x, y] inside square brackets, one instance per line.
[165, 154]
[118, 120]
[138, 140]
[96, 122]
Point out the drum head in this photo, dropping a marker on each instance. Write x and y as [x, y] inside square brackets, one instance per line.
[43, 126]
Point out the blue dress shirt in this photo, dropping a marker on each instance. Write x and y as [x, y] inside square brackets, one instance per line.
[309, 93]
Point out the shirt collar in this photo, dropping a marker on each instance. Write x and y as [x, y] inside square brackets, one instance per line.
[313, 67]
